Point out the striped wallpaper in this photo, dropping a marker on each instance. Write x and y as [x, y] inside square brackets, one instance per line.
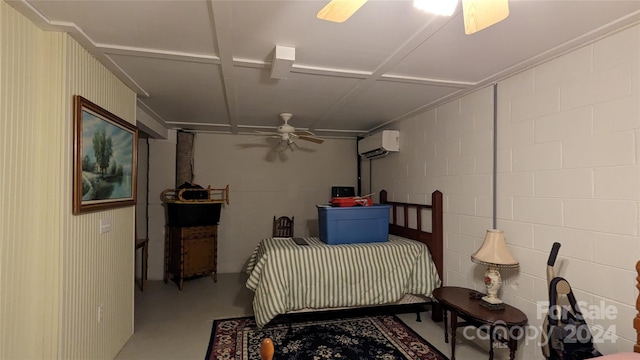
[55, 268]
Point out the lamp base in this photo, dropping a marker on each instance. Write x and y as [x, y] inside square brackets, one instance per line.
[493, 281]
[490, 306]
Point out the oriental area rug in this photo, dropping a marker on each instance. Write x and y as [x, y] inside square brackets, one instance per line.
[383, 337]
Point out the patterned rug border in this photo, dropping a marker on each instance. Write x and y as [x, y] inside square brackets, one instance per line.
[280, 321]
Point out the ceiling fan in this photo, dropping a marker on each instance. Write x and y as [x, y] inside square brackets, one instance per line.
[288, 134]
[478, 14]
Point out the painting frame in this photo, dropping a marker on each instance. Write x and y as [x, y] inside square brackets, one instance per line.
[105, 154]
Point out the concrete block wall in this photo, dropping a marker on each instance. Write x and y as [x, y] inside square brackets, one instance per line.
[568, 170]
[573, 176]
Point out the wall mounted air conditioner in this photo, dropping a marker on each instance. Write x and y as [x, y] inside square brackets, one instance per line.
[379, 144]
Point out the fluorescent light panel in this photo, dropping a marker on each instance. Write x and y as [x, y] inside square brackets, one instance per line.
[438, 7]
[283, 59]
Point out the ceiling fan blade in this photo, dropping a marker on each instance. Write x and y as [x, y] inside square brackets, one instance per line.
[480, 14]
[303, 133]
[312, 139]
[339, 10]
[262, 137]
[267, 132]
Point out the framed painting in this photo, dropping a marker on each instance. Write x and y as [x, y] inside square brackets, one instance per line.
[105, 150]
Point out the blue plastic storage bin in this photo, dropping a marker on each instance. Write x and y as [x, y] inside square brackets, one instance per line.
[358, 224]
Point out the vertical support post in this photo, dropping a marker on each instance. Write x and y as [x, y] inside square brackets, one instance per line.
[495, 153]
[437, 248]
[359, 167]
[184, 157]
[437, 232]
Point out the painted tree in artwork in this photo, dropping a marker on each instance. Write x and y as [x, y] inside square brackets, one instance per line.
[87, 165]
[102, 148]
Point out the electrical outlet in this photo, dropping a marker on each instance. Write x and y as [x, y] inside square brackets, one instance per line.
[100, 312]
[105, 225]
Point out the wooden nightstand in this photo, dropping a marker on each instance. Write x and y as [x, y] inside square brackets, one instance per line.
[461, 303]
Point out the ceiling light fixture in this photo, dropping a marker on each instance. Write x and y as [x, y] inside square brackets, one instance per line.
[283, 59]
[339, 10]
[438, 7]
[480, 14]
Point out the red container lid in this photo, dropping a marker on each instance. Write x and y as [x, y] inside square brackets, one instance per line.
[351, 201]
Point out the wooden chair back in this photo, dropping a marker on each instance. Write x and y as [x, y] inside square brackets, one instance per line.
[283, 226]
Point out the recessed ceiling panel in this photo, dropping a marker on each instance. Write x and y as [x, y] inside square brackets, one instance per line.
[260, 99]
[381, 102]
[177, 25]
[179, 91]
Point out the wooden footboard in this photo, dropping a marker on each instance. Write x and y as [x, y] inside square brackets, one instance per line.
[433, 238]
[400, 225]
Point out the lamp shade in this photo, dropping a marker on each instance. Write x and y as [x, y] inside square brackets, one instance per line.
[494, 252]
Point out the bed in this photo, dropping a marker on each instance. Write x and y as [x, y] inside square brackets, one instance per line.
[287, 277]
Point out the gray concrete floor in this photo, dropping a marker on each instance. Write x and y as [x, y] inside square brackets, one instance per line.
[173, 324]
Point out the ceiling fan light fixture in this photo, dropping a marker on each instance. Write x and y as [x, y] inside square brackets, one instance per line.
[283, 59]
[438, 7]
[289, 134]
[480, 14]
[339, 10]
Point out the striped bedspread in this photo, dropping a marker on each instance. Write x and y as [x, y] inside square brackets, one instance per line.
[288, 277]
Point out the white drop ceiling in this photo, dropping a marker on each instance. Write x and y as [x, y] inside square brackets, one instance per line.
[206, 65]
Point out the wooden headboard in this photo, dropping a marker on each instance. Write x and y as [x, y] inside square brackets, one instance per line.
[433, 239]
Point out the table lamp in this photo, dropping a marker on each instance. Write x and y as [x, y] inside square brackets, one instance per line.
[494, 254]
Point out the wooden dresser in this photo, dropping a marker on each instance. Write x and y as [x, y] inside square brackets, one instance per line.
[190, 251]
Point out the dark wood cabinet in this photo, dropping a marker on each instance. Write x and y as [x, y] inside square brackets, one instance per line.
[190, 251]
